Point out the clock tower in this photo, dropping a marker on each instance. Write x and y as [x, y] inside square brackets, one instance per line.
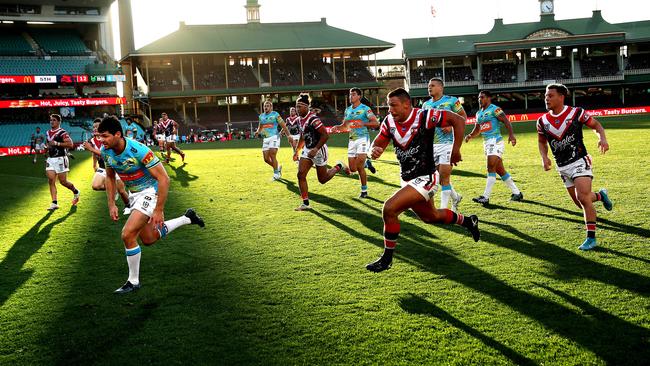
[546, 7]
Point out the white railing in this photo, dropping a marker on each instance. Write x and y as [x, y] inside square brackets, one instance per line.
[637, 71]
[536, 83]
[448, 83]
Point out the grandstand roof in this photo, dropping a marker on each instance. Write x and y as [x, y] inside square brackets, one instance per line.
[259, 37]
[518, 35]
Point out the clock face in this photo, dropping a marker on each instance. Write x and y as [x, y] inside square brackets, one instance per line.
[547, 6]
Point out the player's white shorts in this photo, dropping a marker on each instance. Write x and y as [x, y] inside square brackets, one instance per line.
[170, 138]
[422, 184]
[321, 157]
[295, 138]
[160, 137]
[492, 147]
[358, 147]
[39, 147]
[442, 154]
[272, 142]
[579, 168]
[59, 164]
[102, 173]
[144, 201]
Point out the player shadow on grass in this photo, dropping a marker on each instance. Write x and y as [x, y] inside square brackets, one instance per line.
[414, 304]
[609, 337]
[603, 223]
[182, 176]
[371, 179]
[569, 264]
[12, 276]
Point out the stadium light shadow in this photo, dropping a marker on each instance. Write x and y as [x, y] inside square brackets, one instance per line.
[182, 176]
[11, 274]
[415, 247]
[570, 264]
[414, 304]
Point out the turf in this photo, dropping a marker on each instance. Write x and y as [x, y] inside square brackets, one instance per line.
[263, 284]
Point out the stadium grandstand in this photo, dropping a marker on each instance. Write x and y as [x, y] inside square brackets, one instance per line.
[206, 75]
[55, 57]
[604, 64]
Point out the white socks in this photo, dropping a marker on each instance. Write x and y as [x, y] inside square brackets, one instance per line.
[491, 179]
[133, 260]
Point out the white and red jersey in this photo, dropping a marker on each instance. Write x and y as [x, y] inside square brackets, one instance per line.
[293, 124]
[167, 127]
[413, 140]
[564, 134]
[310, 123]
[59, 135]
[97, 144]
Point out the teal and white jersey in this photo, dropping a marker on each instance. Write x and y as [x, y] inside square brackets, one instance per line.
[446, 103]
[357, 118]
[133, 165]
[489, 121]
[269, 123]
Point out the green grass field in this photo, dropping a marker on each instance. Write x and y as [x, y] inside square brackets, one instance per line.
[263, 284]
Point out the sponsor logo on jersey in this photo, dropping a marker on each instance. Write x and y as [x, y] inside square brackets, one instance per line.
[148, 158]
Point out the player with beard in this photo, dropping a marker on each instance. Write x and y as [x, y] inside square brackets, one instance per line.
[148, 182]
[561, 129]
[314, 149]
[412, 132]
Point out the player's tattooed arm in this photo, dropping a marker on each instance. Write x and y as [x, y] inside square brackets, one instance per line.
[373, 123]
[475, 132]
[457, 122]
[284, 128]
[378, 146]
[511, 134]
[111, 184]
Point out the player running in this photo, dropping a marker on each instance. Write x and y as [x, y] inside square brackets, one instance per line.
[37, 143]
[131, 130]
[561, 129]
[94, 145]
[357, 119]
[268, 129]
[57, 164]
[160, 135]
[148, 182]
[293, 125]
[412, 132]
[170, 128]
[487, 124]
[314, 150]
[444, 139]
